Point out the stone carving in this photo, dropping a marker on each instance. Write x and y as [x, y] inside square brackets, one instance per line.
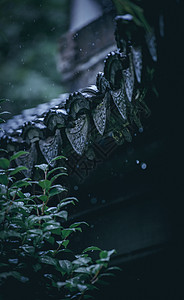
[100, 115]
[128, 75]
[120, 86]
[51, 146]
[151, 43]
[77, 135]
[28, 160]
[119, 98]
[137, 61]
[55, 118]
[75, 103]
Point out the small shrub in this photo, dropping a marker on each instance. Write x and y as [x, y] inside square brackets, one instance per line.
[34, 251]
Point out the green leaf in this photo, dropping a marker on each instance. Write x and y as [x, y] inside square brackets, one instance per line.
[67, 232]
[2, 121]
[45, 184]
[55, 190]
[82, 261]
[65, 243]
[18, 169]
[20, 183]
[104, 254]
[43, 198]
[92, 248]
[43, 167]
[18, 154]
[105, 275]
[57, 158]
[114, 269]
[63, 204]
[66, 266]
[60, 284]
[36, 231]
[57, 175]
[82, 270]
[29, 249]
[48, 260]
[82, 287]
[62, 214]
[4, 163]
[88, 297]
[14, 274]
[76, 224]
[37, 267]
[5, 113]
[3, 150]
[55, 169]
[3, 179]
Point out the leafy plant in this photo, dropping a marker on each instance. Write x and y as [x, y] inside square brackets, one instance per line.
[128, 7]
[35, 239]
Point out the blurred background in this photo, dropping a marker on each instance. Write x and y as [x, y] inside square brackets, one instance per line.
[29, 41]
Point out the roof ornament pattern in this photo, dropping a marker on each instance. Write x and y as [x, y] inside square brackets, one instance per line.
[111, 108]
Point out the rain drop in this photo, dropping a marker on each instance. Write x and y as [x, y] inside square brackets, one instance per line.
[93, 200]
[143, 166]
[141, 129]
[76, 187]
[137, 161]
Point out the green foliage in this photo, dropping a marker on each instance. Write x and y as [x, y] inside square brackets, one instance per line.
[29, 35]
[128, 7]
[35, 238]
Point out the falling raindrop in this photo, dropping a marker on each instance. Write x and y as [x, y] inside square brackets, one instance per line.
[137, 161]
[93, 200]
[141, 129]
[143, 166]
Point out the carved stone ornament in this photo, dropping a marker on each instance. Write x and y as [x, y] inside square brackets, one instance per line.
[50, 147]
[102, 83]
[128, 75]
[77, 135]
[100, 115]
[151, 43]
[55, 118]
[28, 160]
[119, 86]
[137, 61]
[75, 103]
[119, 98]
